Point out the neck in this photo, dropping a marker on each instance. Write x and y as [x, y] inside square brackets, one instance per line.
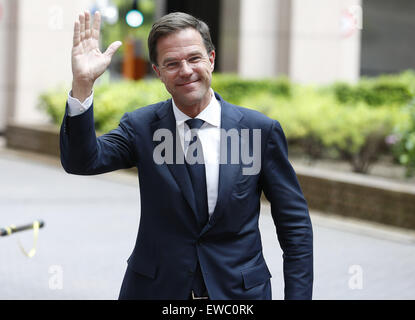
[192, 110]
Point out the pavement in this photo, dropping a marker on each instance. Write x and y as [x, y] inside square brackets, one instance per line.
[91, 224]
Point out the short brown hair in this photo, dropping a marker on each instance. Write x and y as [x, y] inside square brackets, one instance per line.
[172, 23]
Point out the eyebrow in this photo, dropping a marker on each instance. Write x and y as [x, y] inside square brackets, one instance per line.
[193, 53]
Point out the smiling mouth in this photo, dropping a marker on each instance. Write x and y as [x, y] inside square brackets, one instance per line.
[187, 83]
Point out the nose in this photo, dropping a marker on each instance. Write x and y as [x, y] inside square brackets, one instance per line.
[185, 68]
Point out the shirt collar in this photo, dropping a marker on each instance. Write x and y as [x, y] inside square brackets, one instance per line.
[211, 114]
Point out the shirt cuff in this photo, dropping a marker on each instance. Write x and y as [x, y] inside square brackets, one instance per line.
[76, 107]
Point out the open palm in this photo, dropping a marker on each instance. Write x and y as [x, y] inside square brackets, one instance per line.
[88, 62]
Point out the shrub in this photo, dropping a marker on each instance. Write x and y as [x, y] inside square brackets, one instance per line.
[322, 125]
[404, 139]
[53, 103]
[385, 90]
[113, 100]
[233, 88]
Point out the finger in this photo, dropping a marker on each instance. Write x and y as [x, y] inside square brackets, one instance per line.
[96, 26]
[87, 25]
[76, 34]
[82, 26]
[113, 47]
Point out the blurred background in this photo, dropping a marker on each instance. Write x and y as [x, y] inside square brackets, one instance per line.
[339, 75]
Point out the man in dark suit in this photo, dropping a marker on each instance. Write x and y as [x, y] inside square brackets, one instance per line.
[200, 200]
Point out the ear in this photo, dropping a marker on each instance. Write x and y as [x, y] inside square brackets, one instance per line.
[212, 60]
[156, 70]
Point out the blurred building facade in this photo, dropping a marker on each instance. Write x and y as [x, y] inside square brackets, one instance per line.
[387, 37]
[317, 41]
[35, 54]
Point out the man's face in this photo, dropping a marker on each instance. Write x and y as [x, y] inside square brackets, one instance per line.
[185, 68]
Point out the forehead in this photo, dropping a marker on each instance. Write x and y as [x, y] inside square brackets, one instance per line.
[180, 44]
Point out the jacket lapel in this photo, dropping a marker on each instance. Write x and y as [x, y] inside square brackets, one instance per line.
[230, 119]
[178, 170]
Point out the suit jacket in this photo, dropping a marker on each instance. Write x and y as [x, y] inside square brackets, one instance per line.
[170, 239]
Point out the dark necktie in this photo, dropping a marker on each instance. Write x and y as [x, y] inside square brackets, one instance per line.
[198, 177]
[197, 172]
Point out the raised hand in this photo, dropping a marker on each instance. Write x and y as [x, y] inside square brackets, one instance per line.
[88, 62]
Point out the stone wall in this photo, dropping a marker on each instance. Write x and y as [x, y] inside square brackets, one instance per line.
[358, 196]
[38, 138]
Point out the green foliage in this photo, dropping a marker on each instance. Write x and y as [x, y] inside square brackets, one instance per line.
[382, 90]
[234, 88]
[112, 101]
[53, 103]
[323, 125]
[405, 138]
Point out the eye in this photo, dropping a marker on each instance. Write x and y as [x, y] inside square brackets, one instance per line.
[172, 65]
[195, 59]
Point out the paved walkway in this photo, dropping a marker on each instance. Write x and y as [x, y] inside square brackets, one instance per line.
[92, 223]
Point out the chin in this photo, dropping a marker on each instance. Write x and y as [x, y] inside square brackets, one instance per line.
[191, 97]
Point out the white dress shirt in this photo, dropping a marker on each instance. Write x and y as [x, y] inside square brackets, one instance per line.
[209, 135]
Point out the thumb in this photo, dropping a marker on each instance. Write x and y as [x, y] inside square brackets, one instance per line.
[112, 48]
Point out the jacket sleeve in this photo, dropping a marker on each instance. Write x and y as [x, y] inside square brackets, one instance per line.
[83, 153]
[290, 214]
